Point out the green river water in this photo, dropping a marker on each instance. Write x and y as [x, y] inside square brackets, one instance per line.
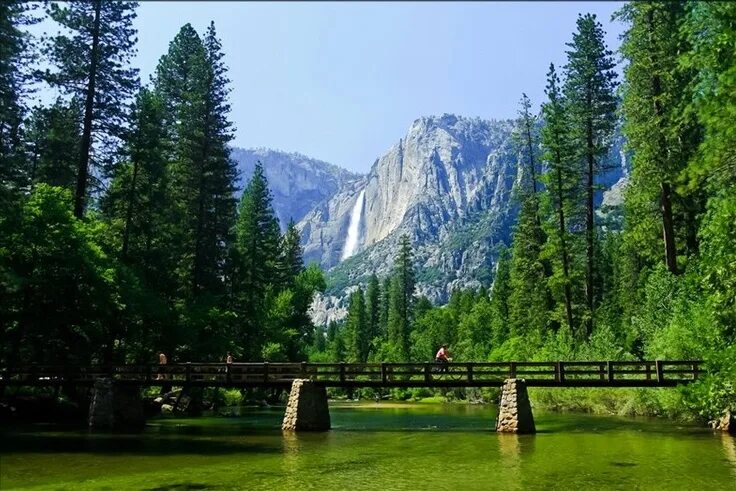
[384, 446]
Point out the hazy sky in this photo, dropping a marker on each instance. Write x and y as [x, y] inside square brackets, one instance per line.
[343, 81]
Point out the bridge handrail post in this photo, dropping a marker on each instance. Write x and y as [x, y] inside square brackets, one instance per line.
[470, 373]
[303, 370]
[609, 369]
[602, 371]
[696, 371]
[561, 371]
[384, 375]
[512, 369]
[265, 372]
[427, 372]
[660, 371]
[648, 368]
[188, 372]
[342, 372]
[558, 371]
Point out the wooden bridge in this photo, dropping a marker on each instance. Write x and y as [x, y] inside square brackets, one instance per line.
[659, 373]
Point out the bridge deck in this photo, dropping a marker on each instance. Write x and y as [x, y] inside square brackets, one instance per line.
[471, 374]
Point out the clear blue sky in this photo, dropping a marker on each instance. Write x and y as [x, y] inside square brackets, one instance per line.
[343, 81]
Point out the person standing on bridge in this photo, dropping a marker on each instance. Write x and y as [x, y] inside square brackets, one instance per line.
[443, 358]
[162, 360]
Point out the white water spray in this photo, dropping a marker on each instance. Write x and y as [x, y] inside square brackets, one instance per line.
[351, 242]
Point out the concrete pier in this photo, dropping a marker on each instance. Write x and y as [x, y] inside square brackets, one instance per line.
[515, 410]
[115, 408]
[307, 408]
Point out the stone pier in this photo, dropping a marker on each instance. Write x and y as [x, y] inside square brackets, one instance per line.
[515, 410]
[115, 407]
[307, 408]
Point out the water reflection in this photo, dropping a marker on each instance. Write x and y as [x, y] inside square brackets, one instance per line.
[729, 449]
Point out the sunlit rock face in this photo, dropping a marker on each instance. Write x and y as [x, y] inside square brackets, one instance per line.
[442, 169]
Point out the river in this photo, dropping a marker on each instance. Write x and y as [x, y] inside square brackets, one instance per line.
[384, 446]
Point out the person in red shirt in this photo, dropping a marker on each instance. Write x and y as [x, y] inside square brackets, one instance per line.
[443, 358]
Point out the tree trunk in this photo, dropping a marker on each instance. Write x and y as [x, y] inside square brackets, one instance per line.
[83, 169]
[590, 228]
[129, 212]
[668, 229]
[563, 247]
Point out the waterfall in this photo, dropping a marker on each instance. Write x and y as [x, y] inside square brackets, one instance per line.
[351, 242]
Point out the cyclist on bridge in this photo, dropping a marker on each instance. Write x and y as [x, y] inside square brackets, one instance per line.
[443, 358]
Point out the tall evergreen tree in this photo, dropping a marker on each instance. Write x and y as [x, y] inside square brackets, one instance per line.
[662, 135]
[373, 307]
[590, 83]
[92, 65]
[192, 81]
[528, 300]
[292, 262]
[15, 57]
[562, 182]
[53, 138]
[357, 327]
[137, 195]
[500, 293]
[384, 302]
[256, 255]
[401, 300]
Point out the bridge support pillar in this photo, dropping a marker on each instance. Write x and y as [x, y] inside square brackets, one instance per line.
[307, 408]
[114, 407]
[515, 410]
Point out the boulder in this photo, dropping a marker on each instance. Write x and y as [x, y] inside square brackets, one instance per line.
[726, 423]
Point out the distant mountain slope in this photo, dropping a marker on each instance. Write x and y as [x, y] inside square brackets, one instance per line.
[298, 183]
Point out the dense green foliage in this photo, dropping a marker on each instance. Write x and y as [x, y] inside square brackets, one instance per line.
[162, 259]
[659, 285]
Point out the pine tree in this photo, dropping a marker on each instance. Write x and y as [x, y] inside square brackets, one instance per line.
[528, 300]
[255, 262]
[92, 65]
[292, 262]
[16, 55]
[137, 195]
[384, 302]
[662, 135]
[192, 81]
[528, 309]
[526, 134]
[401, 300]
[590, 83]
[500, 293]
[373, 307]
[561, 180]
[53, 138]
[357, 327]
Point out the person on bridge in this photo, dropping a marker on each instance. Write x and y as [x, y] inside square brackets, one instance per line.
[162, 360]
[229, 358]
[443, 358]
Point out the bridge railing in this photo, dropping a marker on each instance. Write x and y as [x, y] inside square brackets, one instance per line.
[563, 373]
